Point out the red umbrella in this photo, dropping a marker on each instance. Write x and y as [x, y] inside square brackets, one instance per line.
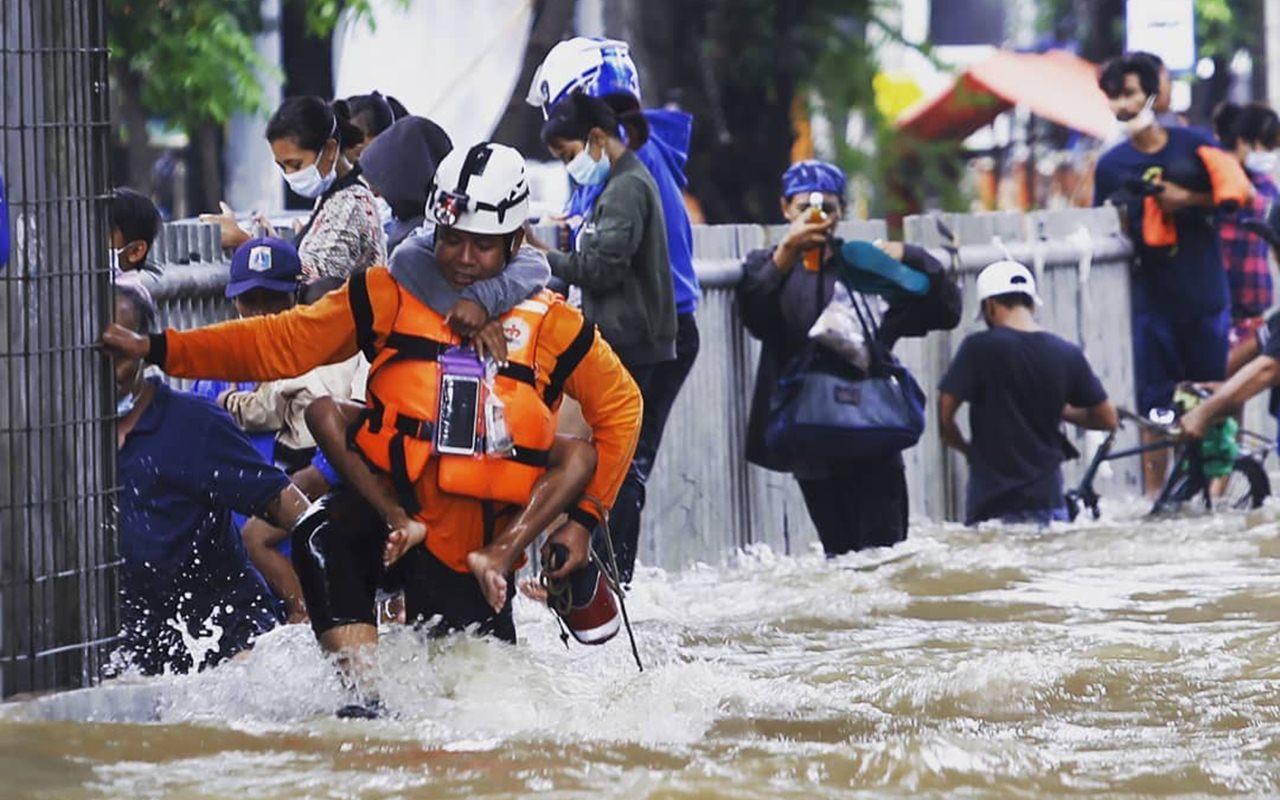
[1056, 85]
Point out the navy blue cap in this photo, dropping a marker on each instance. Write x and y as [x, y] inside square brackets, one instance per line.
[264, 263]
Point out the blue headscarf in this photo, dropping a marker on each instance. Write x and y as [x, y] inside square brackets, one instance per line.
[814, 176]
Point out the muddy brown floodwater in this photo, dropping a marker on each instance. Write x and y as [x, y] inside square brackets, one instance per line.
[1125, 658]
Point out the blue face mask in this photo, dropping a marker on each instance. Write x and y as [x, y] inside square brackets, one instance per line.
[588, 171]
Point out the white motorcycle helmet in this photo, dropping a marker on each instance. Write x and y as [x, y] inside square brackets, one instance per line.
[480, 189]
[596, 66]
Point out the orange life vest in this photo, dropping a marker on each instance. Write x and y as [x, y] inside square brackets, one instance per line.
[398, 429]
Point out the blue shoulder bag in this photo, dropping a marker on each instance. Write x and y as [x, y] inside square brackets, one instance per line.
[825, 407]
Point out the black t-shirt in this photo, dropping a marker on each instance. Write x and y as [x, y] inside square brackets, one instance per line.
[1016, 384]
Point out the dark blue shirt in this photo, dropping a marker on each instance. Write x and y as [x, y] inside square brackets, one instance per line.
[183, 469]
[1187, 279]
[1017, 384]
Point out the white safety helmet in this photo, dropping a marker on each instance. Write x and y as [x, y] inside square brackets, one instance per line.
[1006, 277]
[598, 67]
[480, 189]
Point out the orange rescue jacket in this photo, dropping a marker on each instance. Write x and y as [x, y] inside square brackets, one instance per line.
[398, 429]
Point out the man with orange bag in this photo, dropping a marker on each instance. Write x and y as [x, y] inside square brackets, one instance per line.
[1171, 183]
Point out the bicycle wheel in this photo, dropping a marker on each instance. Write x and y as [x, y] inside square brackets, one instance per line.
[1246, 487]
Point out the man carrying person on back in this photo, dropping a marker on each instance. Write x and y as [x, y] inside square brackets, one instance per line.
[1021, 383]
[420, 430]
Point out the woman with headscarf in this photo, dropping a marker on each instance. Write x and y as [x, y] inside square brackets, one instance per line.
[399, 165]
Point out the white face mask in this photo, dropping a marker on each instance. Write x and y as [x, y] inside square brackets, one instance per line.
[588, 171]
[308, 182]
[1142, 120]
[127, 403]
[1263, 161]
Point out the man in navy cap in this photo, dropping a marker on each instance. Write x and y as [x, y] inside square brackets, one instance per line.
[264, 279]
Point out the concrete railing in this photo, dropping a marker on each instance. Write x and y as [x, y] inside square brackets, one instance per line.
[704, 501]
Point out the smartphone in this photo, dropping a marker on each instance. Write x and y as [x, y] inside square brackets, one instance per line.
[458, 418]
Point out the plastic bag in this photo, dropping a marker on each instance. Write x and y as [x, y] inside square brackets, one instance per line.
[838, 329]
[497, 434]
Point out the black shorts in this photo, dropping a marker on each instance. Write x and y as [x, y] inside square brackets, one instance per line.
[337, 552]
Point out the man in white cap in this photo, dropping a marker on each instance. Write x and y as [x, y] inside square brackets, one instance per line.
[1021, 383]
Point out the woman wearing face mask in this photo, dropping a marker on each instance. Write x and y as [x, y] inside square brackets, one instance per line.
[1251, 132]
[621, 261]
[344, 233]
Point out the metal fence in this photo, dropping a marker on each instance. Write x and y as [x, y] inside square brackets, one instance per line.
[704, 500]
[57, 551]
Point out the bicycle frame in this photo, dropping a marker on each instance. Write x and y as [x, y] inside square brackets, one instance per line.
[1089, 497]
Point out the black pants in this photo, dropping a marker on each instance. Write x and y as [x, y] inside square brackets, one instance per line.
[859, 505]
[659, 385]
[337, 551]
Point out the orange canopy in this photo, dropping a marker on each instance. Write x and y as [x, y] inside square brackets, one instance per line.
[1056, 85]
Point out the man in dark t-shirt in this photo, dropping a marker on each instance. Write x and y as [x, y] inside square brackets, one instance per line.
[1021, 383]
[1181, 305]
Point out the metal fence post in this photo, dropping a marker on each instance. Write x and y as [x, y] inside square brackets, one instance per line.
[57, 440]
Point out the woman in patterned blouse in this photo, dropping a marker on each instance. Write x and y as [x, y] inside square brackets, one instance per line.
[344, 233]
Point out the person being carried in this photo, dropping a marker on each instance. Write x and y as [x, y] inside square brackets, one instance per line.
[184, 466]
[420, 423]
[1021, 383]
[264, 279]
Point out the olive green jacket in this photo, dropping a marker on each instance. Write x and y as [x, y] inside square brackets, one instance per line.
[622, 265]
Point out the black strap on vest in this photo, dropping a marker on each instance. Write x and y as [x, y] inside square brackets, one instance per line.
[530, 456]
[362, 313]
[490, 520]
[407, 346]
[410, 426]
[568, 362]
[400, 475]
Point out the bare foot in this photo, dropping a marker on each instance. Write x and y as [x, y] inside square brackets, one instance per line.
[532, 589]
[490, 572]
[408, 534]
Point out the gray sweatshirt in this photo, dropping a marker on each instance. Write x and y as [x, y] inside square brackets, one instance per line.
[414, 267]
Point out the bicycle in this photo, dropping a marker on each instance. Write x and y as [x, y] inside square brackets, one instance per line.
[1245, 487]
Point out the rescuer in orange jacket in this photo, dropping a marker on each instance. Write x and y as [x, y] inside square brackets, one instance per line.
[479, 218]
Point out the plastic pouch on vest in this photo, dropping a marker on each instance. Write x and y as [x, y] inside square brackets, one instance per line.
[497, 433]
[458, 421]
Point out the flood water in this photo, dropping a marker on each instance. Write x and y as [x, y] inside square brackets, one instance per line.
[1119, 658]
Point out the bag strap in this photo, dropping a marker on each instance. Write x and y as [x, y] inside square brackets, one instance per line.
[350, 179]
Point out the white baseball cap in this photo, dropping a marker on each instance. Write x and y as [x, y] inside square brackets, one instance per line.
[1006, 277]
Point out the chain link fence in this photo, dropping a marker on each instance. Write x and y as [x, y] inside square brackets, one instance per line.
[57, 442]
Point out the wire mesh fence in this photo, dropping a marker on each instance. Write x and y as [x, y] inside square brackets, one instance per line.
[57, 439]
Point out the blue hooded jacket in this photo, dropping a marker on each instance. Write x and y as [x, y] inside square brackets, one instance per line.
[664, 155]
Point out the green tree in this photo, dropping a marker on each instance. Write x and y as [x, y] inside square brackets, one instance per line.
[192, 64]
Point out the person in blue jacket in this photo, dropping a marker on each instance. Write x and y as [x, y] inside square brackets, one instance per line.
[603, 68]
